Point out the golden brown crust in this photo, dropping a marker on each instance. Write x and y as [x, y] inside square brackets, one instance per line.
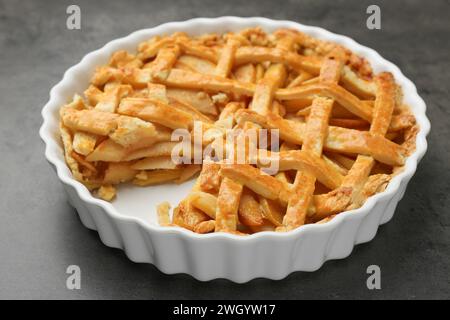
[92, 121]
[250, 213]
[343, 131]
[205, 226]
[209, 177]
[155, 111]
[256, 180]
[228, 205]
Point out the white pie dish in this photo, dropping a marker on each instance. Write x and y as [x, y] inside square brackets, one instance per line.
[130, 221]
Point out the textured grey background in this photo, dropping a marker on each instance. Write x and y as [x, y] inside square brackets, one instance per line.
[40, 234]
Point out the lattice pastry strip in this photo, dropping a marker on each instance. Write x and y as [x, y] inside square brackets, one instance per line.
[274, 77]
[316, 132]
[338, 139]
[383, 109]
[226, 60]
[304, 183]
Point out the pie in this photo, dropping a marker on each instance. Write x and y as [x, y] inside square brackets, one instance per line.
[342, 132]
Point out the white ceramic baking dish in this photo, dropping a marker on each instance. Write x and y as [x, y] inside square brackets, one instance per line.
[130, 221]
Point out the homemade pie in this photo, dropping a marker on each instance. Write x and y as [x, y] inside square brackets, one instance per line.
[343, 131]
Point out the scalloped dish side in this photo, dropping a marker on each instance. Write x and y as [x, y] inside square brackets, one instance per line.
[234, 147]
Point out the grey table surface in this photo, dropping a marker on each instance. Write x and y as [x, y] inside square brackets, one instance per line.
[40, 234]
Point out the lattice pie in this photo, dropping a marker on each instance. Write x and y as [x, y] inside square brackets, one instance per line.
[342, 132]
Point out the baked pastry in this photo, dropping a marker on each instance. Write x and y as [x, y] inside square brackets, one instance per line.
[335, 131]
